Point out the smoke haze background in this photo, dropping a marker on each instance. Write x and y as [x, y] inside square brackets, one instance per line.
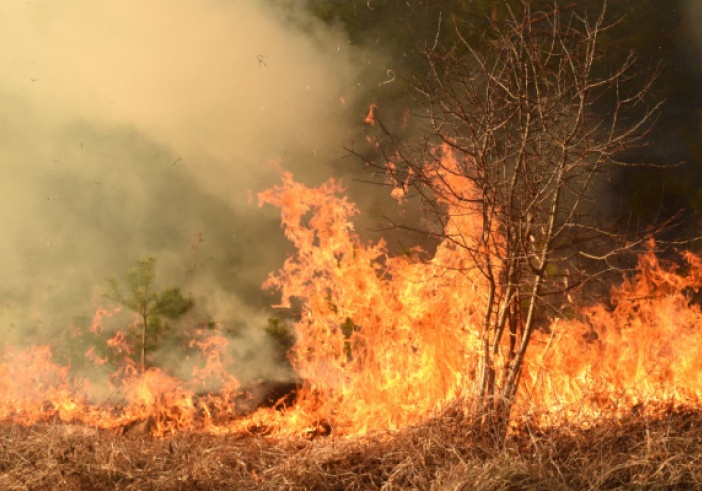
[128, 127]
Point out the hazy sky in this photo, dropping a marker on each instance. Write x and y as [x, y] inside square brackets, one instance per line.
[127, 127]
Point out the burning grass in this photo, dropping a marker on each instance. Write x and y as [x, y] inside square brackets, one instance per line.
[448, 452]
[383, 342]
[384, 345]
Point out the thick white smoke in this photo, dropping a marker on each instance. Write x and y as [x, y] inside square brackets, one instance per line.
[128, 127]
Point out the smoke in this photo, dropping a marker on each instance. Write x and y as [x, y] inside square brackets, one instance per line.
[129, 127]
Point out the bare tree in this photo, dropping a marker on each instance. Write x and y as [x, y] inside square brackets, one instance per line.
[521, 129]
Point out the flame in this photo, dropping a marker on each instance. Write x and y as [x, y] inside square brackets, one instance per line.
[35, 389]
[643, 350]
[100, 314]
[370, 118]
[387, 340]
[383, 341]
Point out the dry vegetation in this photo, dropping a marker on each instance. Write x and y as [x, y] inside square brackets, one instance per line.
[662, 452]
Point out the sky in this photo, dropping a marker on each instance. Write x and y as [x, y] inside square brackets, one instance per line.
[128, 128]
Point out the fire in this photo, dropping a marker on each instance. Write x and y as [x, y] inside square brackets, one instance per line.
[385, 341]
[643, 350]
[35, 389]
[378, 342]
[370, 117]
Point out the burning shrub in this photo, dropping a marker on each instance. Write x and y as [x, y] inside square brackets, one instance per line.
[511, 160]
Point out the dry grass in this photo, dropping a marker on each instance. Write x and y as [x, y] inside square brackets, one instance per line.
[444, 454]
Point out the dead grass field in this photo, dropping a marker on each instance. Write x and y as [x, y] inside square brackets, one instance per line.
[447, 453]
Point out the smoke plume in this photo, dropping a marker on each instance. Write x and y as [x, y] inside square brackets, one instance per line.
[128, 128]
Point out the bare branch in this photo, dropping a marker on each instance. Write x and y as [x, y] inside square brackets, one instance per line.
[520, 129]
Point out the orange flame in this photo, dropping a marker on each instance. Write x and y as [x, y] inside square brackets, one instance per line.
[645, 350]
[370, 118]
[385, 341]
[382, 341]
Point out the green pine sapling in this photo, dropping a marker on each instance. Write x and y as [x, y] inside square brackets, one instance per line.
[137, 291]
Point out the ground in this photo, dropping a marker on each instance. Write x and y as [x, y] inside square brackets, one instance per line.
[448, 452]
